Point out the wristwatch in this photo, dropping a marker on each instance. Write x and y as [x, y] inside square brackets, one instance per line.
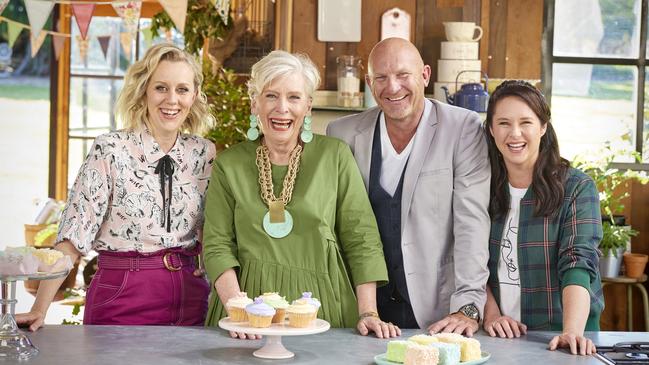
[470, 311]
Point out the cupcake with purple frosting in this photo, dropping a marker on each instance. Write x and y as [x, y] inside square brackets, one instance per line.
[308, 299]
[260, 314]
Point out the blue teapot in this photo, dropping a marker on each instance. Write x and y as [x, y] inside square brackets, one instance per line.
[471, 96]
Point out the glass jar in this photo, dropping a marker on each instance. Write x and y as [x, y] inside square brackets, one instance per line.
[349, 81]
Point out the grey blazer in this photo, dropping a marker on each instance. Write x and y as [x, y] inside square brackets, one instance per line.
[444, 219]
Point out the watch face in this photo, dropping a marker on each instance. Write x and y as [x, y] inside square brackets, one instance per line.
[470, 311]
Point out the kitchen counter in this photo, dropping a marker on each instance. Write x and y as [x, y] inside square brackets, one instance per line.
[182, 345]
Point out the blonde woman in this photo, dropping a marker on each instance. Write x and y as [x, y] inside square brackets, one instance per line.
[138, 201]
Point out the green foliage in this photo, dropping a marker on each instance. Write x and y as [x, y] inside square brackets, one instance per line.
[608, 179]
[76, 294]
[230, 105]
[203, 22]
[615, 237]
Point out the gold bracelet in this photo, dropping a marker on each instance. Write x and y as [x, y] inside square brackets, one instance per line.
[368, 314]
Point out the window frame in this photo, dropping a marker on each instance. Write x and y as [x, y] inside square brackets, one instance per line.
[549, 59]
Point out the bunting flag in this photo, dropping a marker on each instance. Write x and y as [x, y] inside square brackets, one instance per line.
[177, 10]
[129, 11]
[37, 42]
[83, 47]
[14, 31]
[3, 5]
[83, 16]
[38, 11]
[57, 41]
[104, 42]
[223, 8]
[147, 34]
[126, 39]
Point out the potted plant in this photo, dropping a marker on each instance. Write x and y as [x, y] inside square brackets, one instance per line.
[616, 234]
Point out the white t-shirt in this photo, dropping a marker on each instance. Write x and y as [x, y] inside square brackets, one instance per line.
[393, 162]
[509, 279]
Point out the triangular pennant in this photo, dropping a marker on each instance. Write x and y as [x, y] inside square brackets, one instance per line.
[147, 33]
[223, 8]
[37, 42]
[104, 42]
[83, 15]
[57, 41]
[14, 31]
[38, 11]
[3, 5]
[177, 10]
[129, 11]
[126, 39]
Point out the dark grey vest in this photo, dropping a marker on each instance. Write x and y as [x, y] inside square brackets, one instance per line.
[392, 299]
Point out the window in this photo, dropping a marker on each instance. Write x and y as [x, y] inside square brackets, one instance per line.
[594, 71]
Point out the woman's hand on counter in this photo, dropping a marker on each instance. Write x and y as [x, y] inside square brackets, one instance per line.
[382, 329]
[578, 344]
[504, 326]
[33, 319]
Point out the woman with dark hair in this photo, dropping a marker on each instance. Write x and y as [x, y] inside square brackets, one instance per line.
[545, 227]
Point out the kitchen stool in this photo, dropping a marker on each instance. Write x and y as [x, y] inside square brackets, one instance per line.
[630, 283]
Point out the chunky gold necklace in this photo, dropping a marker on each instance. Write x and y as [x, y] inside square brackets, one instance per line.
[277, 222]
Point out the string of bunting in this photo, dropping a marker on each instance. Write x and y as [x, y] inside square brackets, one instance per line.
[38, 11]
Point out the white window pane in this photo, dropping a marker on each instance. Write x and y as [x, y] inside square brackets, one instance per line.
[597, 28]
[92, 102]
[593, 104]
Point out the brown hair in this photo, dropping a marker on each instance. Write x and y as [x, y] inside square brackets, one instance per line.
[549, 169]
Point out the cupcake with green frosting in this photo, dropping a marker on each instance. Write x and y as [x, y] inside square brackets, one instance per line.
[279, 303]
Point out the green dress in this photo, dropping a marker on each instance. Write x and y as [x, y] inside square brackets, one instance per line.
[333, 247]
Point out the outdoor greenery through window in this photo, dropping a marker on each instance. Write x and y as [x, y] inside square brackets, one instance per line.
[595, 66]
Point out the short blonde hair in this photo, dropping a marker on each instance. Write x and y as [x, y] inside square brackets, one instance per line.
[131, 106]
[281, 63]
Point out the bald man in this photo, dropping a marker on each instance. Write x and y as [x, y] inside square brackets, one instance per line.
[427, 174]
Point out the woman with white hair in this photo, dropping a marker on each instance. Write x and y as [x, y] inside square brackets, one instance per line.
[287, 211]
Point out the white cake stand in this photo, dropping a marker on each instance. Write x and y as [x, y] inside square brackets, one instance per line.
[14, 344]
[273, 347]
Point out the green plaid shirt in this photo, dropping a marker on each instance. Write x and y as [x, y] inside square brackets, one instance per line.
[554, 252]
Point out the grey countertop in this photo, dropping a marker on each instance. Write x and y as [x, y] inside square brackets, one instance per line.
[117, 345]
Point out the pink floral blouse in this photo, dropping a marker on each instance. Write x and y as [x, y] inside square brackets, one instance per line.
[116, 202]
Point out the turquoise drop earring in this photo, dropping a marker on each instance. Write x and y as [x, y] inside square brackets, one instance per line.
[253, 131]
[306, 135]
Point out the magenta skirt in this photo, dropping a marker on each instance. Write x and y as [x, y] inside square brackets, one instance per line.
[158, 288]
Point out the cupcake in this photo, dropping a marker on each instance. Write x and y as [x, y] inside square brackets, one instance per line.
[260, 314]
[300, 314]
[236, 307]
[307, 299]
[278, 303]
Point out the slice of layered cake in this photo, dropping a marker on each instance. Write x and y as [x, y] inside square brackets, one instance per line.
[449, 353]
[417, 354]
[469, 347]
[397, 350]
[423, 339]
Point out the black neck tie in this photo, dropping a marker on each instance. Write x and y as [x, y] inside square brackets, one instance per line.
[165, 168]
